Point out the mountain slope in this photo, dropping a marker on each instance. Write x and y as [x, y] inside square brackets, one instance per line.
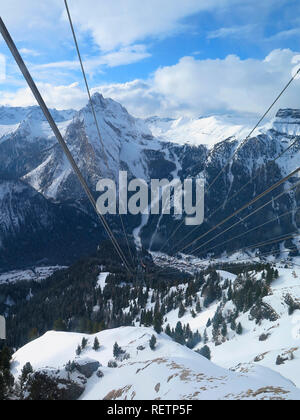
[156, 149]
[147, 374]
[34, 229]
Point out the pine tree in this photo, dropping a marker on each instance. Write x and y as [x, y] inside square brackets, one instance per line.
[239, 330]
[224, 330]
[59, 325]
[205, 337]
[79, 350]
[84, 343]
[205, 352]
[117, 350]
[152, 342]
[26, 371]
[230, 293]
[6, 378]
[96, 345]
[181, 311]
[179, 334]
[233, 325]
[168, 330]
[158, 322]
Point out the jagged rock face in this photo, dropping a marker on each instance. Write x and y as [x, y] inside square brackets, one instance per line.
[155, 148]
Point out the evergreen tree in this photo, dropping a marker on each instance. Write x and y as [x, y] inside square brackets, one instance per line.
[117, 351]
[33, 334]
[26, 371]
[179, 334]
[224, 330]
[153, 342]
[230, 293]
[198, 306]
[168, 330]
[84, 343]
[205, 352]
[181, 311]
[205, 337]
[158, 322]
[59, 325]
[239, 329]
[6, 378]
[233, 325]
[78, 350]
[96, 345]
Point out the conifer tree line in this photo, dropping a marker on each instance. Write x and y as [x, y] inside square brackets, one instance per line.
[70, 300]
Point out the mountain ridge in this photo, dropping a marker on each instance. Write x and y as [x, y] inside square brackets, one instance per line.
[31, 153]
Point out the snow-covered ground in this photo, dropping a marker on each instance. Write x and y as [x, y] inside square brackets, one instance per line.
[33, 274]
[192, 264]
[170, 372]
[206, 131]
[101, 282]
[283, 334]
[242, 367]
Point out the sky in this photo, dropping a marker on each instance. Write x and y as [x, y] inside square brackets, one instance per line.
[168, 58]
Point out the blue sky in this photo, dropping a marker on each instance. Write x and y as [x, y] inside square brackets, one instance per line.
[166, 57]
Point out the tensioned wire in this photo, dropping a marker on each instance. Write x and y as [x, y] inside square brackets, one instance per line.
[95, 116]
[227, 200]
[24, 70]
[238, 149]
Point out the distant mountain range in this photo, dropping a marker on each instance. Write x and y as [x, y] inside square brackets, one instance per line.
[45, 215]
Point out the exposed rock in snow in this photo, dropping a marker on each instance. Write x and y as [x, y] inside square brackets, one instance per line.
[171, 372]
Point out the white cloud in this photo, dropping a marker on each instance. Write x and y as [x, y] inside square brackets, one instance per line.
[192, 87]
[124, 22]
[29, 52]
[124, 56]
[138, 96]
[113, 24]
[118, 23]
[284, 35]
[32, 18]
[200, 87]
[60, 97]
[232, 32]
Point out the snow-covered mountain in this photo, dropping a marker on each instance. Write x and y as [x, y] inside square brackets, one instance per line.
[158, 148]
[245, 316]
[169, 372]
[35, 230]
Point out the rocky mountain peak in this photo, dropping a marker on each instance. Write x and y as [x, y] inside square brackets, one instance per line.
[289, 113]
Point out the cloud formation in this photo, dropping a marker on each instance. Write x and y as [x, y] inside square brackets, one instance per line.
[59, 97]
[120, 23]
[200, 87]
[232, 32]
[192, 87]
[126, 55]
